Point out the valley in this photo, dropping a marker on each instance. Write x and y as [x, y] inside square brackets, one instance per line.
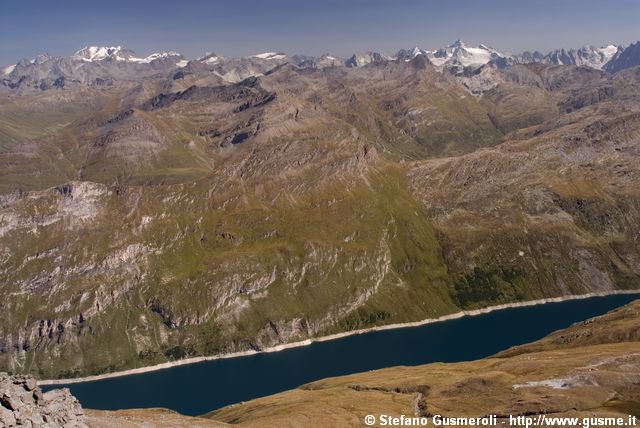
[154, 210]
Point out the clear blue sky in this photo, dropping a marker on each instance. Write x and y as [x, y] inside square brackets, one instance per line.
[238, 28]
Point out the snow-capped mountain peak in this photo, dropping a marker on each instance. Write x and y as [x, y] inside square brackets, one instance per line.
[460, 54]
[609, 50]
[8, 69]
[95, 65]
[624, 58]
[39, 59]
[210, 58]
[324, 60]
[360, 60]
[118, 53]
[457, 54]
[100, 53]
[589, 56]
[595, 57]
[269, 55]
[155, 56]
[409, 54]
[416, 51]
[459, 44]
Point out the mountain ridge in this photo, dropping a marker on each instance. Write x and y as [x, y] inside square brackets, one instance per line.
[45, 71]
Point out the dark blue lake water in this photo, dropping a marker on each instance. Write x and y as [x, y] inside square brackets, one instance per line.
[198, 388]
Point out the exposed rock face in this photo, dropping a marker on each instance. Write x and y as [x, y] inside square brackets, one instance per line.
[150, 221]
[106, 66]
[90, 66]
[630, 57]
[22, 403]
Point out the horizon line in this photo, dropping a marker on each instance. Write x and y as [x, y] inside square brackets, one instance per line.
[207, 53]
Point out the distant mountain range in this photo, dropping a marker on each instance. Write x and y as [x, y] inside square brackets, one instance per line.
[95, 65]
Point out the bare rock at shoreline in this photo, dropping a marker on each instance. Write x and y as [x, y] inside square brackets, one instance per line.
[22, 403]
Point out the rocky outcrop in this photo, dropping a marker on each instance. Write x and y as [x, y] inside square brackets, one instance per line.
[22, 403]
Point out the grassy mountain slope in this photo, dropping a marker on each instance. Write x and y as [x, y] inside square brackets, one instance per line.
[151, 222]
[212, 274]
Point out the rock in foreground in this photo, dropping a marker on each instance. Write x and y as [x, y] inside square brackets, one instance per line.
[22, 403]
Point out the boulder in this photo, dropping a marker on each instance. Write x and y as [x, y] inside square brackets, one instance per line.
[22, 403]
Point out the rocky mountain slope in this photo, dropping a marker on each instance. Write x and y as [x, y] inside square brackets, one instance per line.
[457, 56]
[627, 58]
[23, 404]
[92, 65]
[104, 66]
[589, 56]
[181, 213]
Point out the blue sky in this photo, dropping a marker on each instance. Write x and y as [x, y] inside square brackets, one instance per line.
[342, 27]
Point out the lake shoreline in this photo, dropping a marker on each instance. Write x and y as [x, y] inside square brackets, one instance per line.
[335, 336]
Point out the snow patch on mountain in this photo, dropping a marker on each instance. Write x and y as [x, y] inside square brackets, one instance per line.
[409, 54]
[155, 56]
[595, 57]
[117, 53]
[460, 54]
[624, 58]
[360, 60]
[209, 58]
[587, 56]
[608, 51]
[98, 53]
[39, 59]
[269, 55]
[8, 69]
[457, 54]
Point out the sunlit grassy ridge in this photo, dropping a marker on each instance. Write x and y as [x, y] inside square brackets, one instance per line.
[213, 279]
